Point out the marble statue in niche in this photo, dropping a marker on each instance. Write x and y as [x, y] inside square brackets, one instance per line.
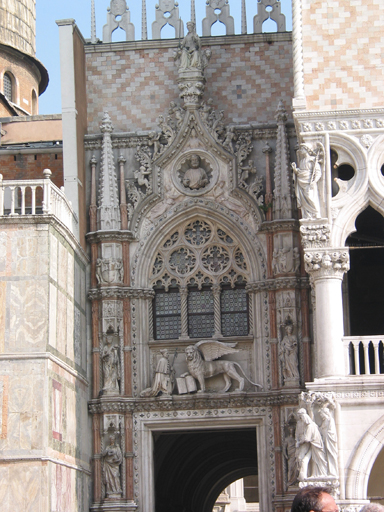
[288, 353]
[307, 178]
[164, 378]
[310, 454]
[195, 177]
[111, 366]
[112, 459]
[289, 453]
[202, 365]
[329, 435]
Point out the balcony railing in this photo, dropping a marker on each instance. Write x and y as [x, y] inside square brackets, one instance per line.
[364, 355]
[36, 197]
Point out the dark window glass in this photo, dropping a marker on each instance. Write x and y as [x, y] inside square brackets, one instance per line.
[7, 82]
[200, 313]
[166, 309]
[234, 311]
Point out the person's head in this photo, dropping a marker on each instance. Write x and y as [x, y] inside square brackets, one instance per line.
[190, 26]
[164, 352]
[373, 507]
[314, 499]
[195, 161]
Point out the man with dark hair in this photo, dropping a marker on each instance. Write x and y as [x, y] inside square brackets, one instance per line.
[314, 499]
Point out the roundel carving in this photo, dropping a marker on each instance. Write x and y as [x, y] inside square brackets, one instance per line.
[195, 173]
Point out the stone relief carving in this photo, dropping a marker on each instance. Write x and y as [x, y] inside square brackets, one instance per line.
[320, 461]
[164, 378]
[112, 459]
[315, 235]
[202, 364]
[195, 177]
[285, 260]
[109, 270]
[288, 353]
[111, 366]
[307, 177]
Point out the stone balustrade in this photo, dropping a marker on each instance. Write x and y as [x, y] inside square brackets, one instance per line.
[364, 355]
[36, 197]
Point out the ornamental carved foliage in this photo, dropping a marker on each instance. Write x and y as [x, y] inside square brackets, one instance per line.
[199, 253]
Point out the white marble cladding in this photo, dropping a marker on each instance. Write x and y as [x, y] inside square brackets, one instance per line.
[340, 120]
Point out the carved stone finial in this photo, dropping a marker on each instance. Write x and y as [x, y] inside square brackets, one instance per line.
[118, 16]
[218, 10]
[263, 15]
[167, 12]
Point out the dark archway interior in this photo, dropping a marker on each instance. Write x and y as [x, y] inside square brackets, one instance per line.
[192, 468]
[366, 275]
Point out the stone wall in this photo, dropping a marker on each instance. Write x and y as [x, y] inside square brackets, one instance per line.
[135, 82]
[43, 361]
[342, 46]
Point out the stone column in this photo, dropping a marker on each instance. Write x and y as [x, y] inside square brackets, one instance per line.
[184, 312]
[326, 267]
[216, 289]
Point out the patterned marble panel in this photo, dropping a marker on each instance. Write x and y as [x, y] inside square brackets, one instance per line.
[62, 267]
[3, 251]
[70, 331]
[52, 315]
[30, 253]
[61, 322]
[28, 316]
[71, 275]
[53, 257]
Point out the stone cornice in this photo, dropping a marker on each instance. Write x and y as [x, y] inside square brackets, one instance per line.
[280, 225]
[192, 402]
[120, 292]
[278, 283]
[110, 236]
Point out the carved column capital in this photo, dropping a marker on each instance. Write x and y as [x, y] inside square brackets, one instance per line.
[315, 233]
[326, 262]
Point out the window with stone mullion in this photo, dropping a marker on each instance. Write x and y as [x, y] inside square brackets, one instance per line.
[200, 313]
[234, 311]
[167, 314]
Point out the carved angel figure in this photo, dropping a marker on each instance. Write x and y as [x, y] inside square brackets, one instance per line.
[202, 365]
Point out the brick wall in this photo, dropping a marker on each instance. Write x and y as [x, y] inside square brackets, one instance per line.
[26, 77]
[246, 77]
[21, 166]
[343, 43]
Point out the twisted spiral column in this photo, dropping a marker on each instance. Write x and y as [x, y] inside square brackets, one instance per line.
[184, 311]
[298, 61]
[216, 289]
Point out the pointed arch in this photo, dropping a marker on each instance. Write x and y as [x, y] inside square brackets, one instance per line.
[204, 209]
[364, 456]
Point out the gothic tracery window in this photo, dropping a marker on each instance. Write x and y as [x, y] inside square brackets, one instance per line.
[199, 276]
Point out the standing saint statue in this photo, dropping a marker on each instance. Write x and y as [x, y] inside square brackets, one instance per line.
[111, 367]
[307, 177]
[329, 435]
[288, 353]
[163, 382]
[309, 448]
[112, 458]
[290, 456]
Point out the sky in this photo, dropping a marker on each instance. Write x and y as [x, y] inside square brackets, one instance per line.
[47, 32]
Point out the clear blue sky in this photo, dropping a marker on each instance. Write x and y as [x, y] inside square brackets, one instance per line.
[47, 32]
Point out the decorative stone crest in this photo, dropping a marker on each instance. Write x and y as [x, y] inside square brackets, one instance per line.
[109, 271]
[169, 7]
[118, 16]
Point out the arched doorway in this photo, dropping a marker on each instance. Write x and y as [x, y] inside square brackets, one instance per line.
[192, 468]
[376, 483]
[364, 283]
